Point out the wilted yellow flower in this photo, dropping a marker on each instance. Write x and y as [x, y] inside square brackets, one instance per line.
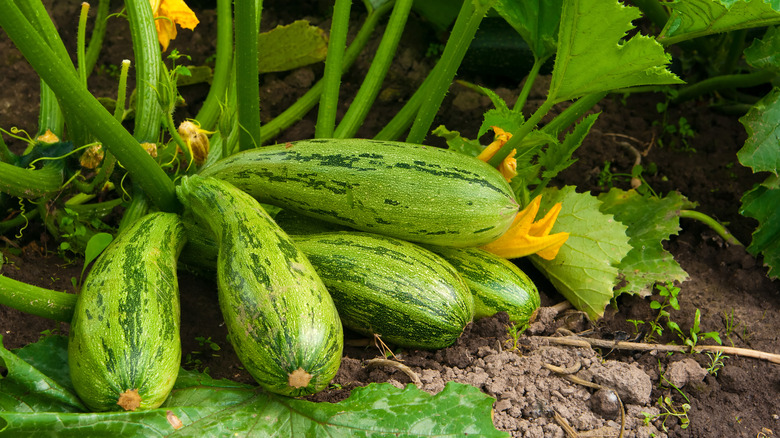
[508, 167]
[196, 139]
[169, 13]
[92, 157]
[526, 237]
[150, 148]
[48, 137]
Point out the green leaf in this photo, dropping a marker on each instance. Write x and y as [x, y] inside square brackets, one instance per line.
[594, 57]
[439, 13]
[557, 158]
[585, 270]
[294, 45]
[536, 21]
[650, 221]
[763, 204]
[372, 5]
[765, 52]
[27, 389]
[96, 244]
[761, 151]
[34, 404]
[501, 116]
[457, 143]
[697, 18]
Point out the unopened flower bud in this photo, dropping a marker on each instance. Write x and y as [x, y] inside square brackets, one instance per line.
[196, 140]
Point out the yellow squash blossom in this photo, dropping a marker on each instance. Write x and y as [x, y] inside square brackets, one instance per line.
[508, 167]
[169, 13]
[526, 237]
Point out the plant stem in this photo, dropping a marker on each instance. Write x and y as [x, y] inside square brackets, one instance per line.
[463, 31]
[82, 104]
[736, 46]
[28, 183]
[712, 223]
[306, 102]
[517, 137]
[577, 341]
[209, 112]
[404, 118]
[573, 113]
[147, 66]
[247, 14]
[376, 73]
[529, 82]
[724, 82]
[36, 300]
[81, 39]
[337, 42]
[98, 33]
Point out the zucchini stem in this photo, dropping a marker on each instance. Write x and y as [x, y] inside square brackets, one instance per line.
[37, 301]
[334, 67]
[712, 223]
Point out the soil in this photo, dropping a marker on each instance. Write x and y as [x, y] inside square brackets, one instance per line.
[729, 286]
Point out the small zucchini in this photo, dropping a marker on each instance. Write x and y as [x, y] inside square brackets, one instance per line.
[413, 192]
[386, 286]
[124, 349]
[496, 283]
[280, 318]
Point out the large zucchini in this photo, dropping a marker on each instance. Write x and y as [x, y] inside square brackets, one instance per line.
[382, 285]
[124, 349]
[413, 192]
[280, 318]
[496, 283]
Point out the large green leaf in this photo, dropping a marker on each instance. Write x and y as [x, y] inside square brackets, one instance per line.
[594, 57]
[291, 46]
[536, 21]
[650, 221]
[761, 151]
[585, 270]
[765, 52]
[697, 18]
[763, 204]
[34, 404]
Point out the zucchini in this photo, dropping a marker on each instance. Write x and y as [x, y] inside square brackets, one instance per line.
[280, 318]
[412, 192]
[386, 286]
[124, 349]
[496, 283]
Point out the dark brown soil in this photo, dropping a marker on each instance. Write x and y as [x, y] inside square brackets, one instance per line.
[727, 285]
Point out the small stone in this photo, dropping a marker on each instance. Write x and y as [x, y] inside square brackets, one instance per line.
[682, 372]
[604, 402]
[503, 405]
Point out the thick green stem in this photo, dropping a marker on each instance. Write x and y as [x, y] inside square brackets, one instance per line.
[81, 103]
[209, 112]
[147, 65]
[736, 47]
[405, 116]
[306, 102]
[463, 31]
[334, 67]
[36, 300]
[724, 82]
[365, 97]
[28, 183]
[247, 84]
[712, 223]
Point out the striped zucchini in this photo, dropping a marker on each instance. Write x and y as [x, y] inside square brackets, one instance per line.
[124, 350]
[496, 283]
[413, 192]
[382, 285]
[279, 315]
